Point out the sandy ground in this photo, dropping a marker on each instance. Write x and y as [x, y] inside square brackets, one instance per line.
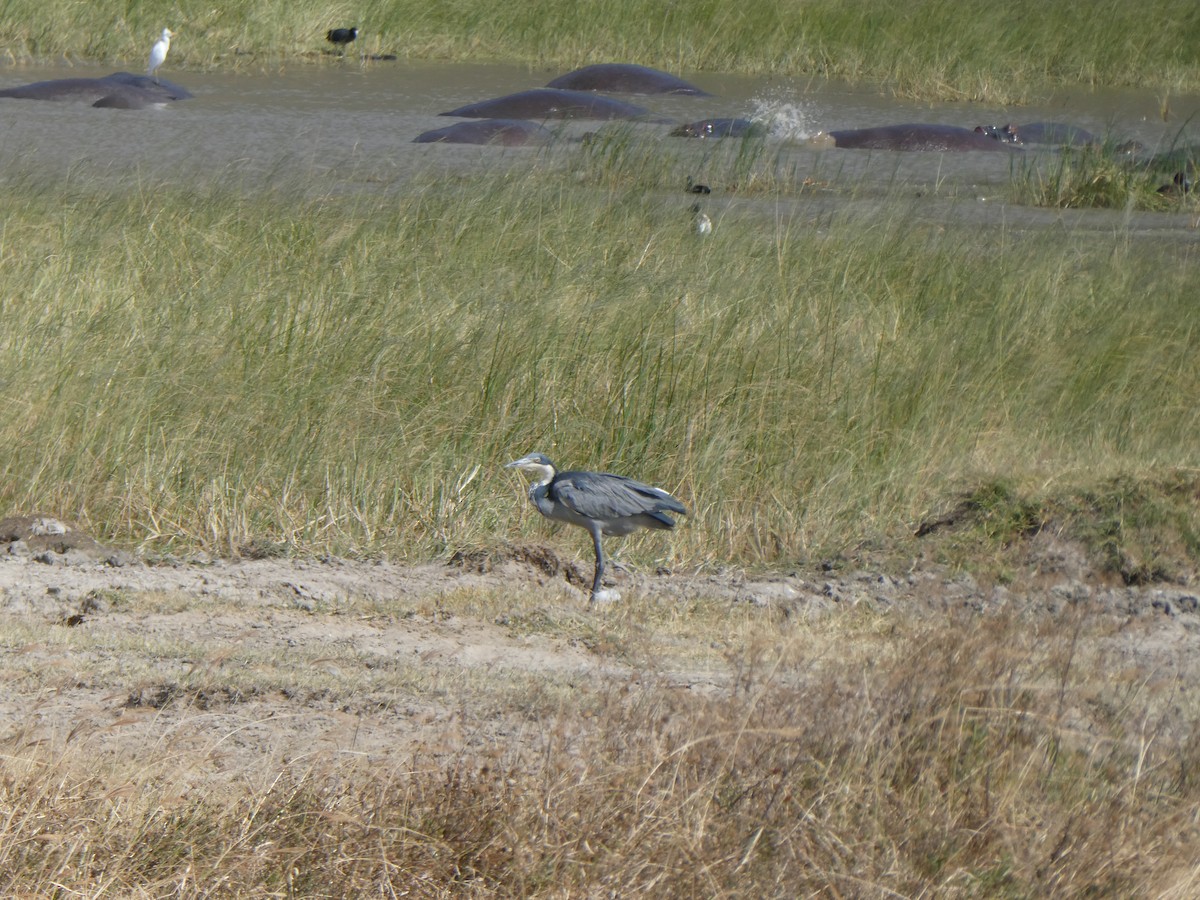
[237, 668]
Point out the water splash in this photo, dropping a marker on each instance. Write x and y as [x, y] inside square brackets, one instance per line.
[786, 119]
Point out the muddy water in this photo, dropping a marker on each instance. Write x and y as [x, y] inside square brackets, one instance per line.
[351, 125]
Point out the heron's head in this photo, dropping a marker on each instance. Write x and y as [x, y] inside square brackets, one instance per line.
[535, 462]
[167, 34]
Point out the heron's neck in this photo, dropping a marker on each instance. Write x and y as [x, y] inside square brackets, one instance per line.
[540, 489]
[545, 474]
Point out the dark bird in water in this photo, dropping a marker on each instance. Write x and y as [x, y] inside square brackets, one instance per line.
[341, 36]
[694, 187]
[1180, 184]
[599, 502]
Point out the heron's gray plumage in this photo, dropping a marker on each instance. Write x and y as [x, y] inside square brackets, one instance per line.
[620, 504]
[600, 502]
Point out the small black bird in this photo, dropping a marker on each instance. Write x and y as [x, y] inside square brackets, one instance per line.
[694, 187]
[341, 36]
[1180, 184]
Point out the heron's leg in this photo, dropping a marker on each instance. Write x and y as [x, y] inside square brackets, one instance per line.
[599, 562]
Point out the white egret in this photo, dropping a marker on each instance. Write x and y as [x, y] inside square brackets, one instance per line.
[158, 53]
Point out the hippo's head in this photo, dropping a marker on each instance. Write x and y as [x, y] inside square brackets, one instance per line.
[1006, 134]
[693, 130]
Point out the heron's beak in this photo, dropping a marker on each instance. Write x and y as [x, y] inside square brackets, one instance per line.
[526, 462]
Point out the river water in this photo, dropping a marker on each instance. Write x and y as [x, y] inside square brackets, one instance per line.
[351, 125]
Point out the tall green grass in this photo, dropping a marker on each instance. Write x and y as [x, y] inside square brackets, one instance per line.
[207, 367]
[931, 48]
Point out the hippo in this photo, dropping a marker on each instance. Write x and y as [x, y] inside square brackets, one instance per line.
[550, 103]
[1040, 133]
[1054, 133]
[120, 90]
[707, 128]
[623, 78]
[936, 138]
[507, 132]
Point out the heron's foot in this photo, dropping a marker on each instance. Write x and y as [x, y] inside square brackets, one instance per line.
[606, 596]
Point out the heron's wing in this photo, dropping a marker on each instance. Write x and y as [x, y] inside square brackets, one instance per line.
[596, 495]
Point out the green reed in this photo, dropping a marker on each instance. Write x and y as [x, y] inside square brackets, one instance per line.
[196, 367]
[932, 48]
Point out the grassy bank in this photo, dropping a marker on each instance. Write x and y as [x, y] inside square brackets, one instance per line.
[198, 368]
[930, 48]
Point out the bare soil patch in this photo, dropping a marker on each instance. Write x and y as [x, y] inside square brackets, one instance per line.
[249, 664]
[332, 727]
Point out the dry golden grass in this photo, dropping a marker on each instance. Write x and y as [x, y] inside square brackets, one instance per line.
[707, 751]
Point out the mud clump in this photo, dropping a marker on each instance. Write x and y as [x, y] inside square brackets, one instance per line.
[51, 540]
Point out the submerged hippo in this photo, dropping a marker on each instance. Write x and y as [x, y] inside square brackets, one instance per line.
[625, 79]
[707, 128]
[1054, 133]
[550, 103]
[120, 90]
[1040, 133]
[935, 138]
[507, 132]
